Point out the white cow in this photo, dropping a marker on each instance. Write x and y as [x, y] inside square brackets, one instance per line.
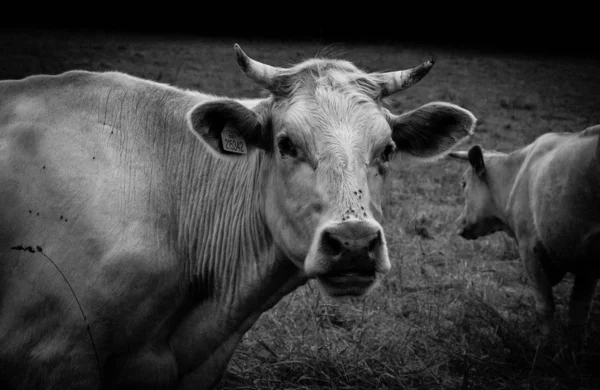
[179, 217]
[547, 196]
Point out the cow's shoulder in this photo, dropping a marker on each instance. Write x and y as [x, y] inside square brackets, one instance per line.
[72, 78]
[548, 142]
[30, 95]
[591, 131]
[82, 81]
[558, 146]
[84, 94]
[543, 163]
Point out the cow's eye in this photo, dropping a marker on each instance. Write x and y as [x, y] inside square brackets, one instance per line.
[464, 183]
[286, 146]
[388, 152]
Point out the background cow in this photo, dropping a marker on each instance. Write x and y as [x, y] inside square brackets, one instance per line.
[177, 217]
[547, 196]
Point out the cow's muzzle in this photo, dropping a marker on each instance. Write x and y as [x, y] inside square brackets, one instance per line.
[465, 230]
[466, 233]
[351, 257]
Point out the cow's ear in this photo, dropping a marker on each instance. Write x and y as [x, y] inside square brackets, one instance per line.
[228, 127]
[476, 160]
[430, 131]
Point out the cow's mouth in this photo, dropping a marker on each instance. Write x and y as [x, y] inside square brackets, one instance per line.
[349, 283]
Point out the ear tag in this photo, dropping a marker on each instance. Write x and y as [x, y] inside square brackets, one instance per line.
[232, 140]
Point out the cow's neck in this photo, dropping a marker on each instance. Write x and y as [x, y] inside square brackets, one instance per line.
[504, 171]
[234, 272]
[230, 247]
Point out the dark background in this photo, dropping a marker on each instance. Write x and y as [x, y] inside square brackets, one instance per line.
[524, 28]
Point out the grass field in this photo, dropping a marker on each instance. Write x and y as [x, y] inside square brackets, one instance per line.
[452, 313]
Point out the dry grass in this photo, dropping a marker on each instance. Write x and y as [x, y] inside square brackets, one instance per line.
[452, 313]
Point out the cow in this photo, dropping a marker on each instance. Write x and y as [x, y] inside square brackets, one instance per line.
[145, 228]
[546, 195]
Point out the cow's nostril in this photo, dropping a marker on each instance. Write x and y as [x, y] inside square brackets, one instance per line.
[374, 244]
[331, 244]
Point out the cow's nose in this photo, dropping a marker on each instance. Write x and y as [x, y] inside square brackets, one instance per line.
[352, 239]
[350, 257]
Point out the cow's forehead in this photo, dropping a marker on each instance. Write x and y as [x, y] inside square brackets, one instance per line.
[334, 74]
[332, 101]
[317, 67]
[328, 117]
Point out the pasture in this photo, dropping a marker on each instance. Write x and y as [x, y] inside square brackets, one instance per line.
[451, 313]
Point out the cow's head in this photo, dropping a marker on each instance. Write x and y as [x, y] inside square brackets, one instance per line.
[480, 214]
[327, 143]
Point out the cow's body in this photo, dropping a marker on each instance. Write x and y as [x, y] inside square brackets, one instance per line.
[547, 196]
[137, 200]
[172, 246]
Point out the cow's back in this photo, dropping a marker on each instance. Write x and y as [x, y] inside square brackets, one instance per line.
[564, 195]
[81, 185]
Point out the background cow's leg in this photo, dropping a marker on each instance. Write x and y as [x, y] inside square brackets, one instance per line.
[579, 306]
[581, 298]
[532, 257]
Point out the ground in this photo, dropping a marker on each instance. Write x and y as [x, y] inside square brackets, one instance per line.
[452, 313]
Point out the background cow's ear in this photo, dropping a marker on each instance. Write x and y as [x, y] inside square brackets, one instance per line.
[430, 131]
[476, 160]
[228, 127]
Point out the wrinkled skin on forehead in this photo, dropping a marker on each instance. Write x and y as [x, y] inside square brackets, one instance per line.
[328, 143]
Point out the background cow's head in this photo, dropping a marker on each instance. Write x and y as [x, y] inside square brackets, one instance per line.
[328, 142]
[480, 214]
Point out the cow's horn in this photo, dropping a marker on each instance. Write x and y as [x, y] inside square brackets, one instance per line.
[265, 75]
[392, 82]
